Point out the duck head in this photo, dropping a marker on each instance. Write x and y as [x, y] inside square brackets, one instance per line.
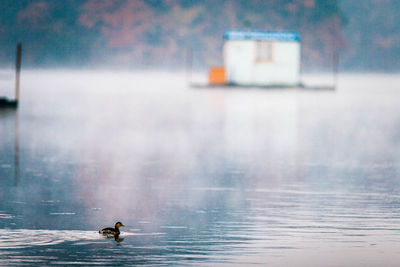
[118, 225]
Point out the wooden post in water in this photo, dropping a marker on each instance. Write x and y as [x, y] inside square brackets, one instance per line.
[335, 53]
[189, 64]
[17, 71]
[335, 67]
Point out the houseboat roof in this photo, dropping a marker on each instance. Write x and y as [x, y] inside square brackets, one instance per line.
[284, 36]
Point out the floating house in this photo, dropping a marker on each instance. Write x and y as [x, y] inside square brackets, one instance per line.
[259, 58]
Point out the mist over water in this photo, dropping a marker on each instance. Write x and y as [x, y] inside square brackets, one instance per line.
[200, 176]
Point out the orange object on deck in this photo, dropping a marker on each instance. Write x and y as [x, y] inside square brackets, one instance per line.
[216, 76]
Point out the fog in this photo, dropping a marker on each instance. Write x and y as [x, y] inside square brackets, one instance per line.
[225, 176]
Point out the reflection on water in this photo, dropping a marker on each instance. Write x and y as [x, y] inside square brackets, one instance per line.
[202, 177]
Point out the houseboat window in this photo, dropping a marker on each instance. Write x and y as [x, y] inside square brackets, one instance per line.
[264, 51]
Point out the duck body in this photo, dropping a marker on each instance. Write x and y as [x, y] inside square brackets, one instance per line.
[111, 231]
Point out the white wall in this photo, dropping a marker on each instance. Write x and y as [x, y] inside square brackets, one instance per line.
[242, 67]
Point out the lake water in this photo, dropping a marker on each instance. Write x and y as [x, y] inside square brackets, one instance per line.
[199, 177]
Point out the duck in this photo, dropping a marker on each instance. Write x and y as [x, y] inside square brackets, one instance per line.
[112, 231]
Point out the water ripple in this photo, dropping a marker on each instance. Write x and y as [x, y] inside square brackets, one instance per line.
[22, 238]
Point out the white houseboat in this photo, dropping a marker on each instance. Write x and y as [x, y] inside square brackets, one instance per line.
[262, 58]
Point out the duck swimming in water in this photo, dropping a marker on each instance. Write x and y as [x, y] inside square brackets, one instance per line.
[112, 231]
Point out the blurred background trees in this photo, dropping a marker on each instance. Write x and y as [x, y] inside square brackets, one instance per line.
[157, 33]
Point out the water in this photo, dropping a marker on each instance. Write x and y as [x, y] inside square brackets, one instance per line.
[199, 177]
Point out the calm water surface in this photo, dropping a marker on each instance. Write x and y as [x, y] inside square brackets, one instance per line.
[199, 177]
